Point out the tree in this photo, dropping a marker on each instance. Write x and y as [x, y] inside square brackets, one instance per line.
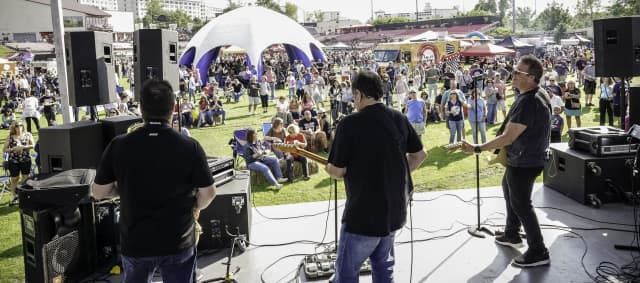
[474, 13]
[524, 16]
[270, 4]
[291, 10]
[318, 15]
[179, 18]
[503, 6]
[487, 5]
[586, 8]
[554, 15]
[154, 9]
[500, 32]
[390, 20]
[560, 32]
[624, 8]
[231, 6]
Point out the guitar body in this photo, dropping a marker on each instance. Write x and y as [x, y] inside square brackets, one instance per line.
[499, 158]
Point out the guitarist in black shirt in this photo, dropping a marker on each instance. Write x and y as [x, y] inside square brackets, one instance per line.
[525, 139]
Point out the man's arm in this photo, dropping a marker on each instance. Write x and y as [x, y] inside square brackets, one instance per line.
[204, 196]
[511, 133]
[414, 159]
[335, 172]
[104, 191]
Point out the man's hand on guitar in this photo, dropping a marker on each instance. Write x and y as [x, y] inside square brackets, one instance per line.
[467, 147]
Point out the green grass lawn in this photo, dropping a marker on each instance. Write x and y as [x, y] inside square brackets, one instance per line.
[4, 51]
[441, 171]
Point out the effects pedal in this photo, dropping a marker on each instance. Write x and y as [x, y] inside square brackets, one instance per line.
[324, 265]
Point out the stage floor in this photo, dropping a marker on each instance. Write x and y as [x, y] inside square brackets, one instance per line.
[458, 258]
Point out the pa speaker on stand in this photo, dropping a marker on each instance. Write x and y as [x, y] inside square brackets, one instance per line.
[155, 56]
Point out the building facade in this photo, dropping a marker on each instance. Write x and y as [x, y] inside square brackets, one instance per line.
[330, 22]
[111, 5]
[427, 13]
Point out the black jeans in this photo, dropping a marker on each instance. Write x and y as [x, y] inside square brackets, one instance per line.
[301, 159]
[606, 106]
[35, 120]
[517, 185]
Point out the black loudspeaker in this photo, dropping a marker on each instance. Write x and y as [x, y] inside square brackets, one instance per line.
[586, 178]
[229, 211]
[155, 56]
[617, 46]
[90, 71]
[634, 104]
[117, 125]
[71, 146]
[58, 234]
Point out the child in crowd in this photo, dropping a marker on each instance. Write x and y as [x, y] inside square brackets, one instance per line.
[557, 125]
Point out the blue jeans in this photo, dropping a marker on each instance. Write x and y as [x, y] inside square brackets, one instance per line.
[177, 268]
[433, 92]
[455, 127]
[236, 96]
[219, 112]
[272, 86]
[263, 168]
[491, 113]
[292, 93]
[354, 249]
[482, 128]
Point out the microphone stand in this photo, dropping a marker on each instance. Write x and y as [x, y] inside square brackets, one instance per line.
[478, 230]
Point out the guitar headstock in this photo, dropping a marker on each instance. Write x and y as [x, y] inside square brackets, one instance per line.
[453, 146]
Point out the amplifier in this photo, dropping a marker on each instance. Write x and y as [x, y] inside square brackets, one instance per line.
[223, 177]
[230, 211]
[601, 141]
[588, 179]
[222, 169]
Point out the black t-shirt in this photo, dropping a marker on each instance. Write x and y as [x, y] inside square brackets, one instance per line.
[311, 125]
[157, 171]
[528, 150]
[377, 177]
[567, 103]
[47, 101]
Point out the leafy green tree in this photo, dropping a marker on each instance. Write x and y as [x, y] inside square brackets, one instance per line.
[500, 32]
[270, 4]
[503, 6]
[524, 16]
[154, 9]
[179, 18]
[587, 9]
[390, 20]
[487, 5]
[560, 32]
[474, 13]
[624, 8]
[318, 15]
[231, 6]
[554, 15]
[291, 10]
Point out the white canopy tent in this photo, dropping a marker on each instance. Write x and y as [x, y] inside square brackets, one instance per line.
[425, 36]
[253, 29]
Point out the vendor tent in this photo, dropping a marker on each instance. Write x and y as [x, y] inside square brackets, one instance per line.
[516, 44]
[488, 50]
[253, 29]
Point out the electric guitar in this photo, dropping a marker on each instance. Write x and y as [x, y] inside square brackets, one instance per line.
[292, 148]
[499, 155]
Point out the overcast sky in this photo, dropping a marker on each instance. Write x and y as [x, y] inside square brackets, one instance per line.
[361, 9]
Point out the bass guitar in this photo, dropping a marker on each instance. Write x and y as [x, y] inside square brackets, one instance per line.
[292, 148]
[499, 155]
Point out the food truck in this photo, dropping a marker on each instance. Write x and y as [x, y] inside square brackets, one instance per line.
[414, 53]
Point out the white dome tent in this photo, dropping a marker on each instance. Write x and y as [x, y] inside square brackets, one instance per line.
[253, 29]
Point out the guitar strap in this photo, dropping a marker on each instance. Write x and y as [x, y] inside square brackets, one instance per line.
[389, 124]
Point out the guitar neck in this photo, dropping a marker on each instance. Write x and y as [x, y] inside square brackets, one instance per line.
[313, 156]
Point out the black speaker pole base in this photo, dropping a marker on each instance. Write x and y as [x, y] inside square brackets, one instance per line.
[479, 232]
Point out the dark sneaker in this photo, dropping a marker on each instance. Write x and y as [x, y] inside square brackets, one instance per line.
[306, 178]
[514, 242]
[529, 259]
[499, 233]
[14, 201]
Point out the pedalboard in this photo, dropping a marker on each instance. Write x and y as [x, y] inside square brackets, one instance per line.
[324, 265]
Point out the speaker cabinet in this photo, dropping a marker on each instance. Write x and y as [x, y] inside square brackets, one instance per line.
[586, 178]
[155, 56]
[50, 253]
[634, 104]
[617, 46]
[90, 71]
[71, 146]
[230, 210]
[117, 125]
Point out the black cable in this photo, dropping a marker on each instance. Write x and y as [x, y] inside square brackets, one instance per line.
[583, 217]
[276, 261]
[307, 242]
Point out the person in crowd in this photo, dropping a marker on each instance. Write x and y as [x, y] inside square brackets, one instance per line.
[501, 105]
[186, 110]
[258, 160]
[619, 89]
[491, 94]
[557, 124]
[317, 89]
[308, 104]
[346, 102]
[8, 117]
[324, 124]
[438, 105]
[387, 88]
[300, 83]
[48, 102]
[175, 124]
[310, 128]
[237, 87]
[192, 86]
[169, 197]
[606, 100]
[416, 112]
[432, 114]
[294, 109]
[270, 76]
[526, 139]
[589, 74]
[204, 115]
[216, 108]
[432, 75]
[296, 138]
[581, 64]
[455, 117]
[379, 185]
[276, 133]
[17, 148]
[30, 112]
[254, 94]
[572, 106]
[264, 94]
[291, 85]
[477, 115]
[282, 112]
[402, 89]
